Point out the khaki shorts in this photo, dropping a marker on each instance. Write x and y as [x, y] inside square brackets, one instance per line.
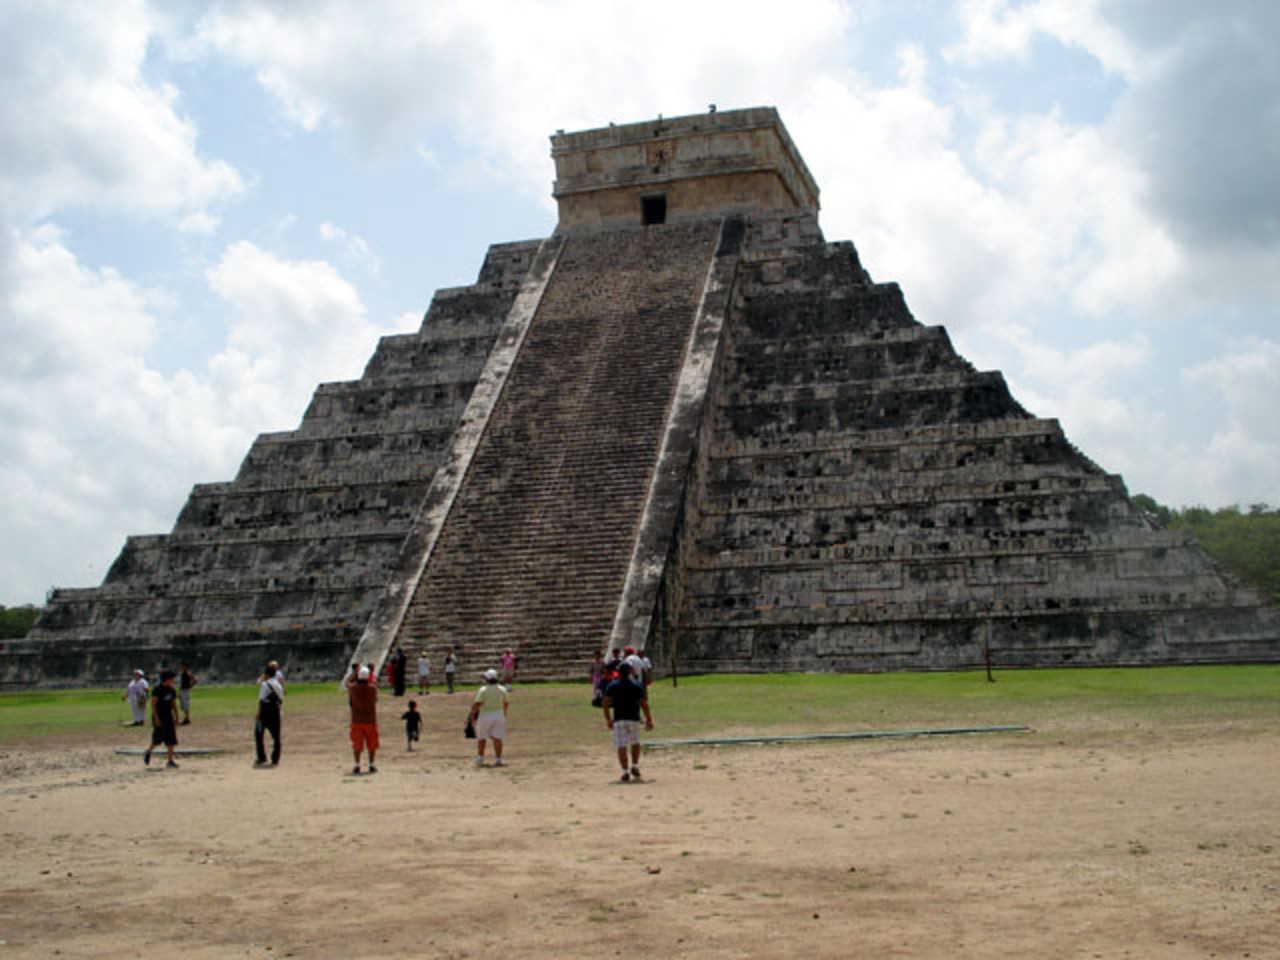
[492, 726]
[626, 733]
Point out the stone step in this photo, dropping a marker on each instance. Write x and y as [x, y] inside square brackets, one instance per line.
[541, 533]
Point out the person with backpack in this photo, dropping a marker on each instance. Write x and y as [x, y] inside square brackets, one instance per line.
[624, 701]
[267, 719]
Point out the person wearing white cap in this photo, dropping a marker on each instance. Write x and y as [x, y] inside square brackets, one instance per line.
[364, 718]
[136, 694]
[489, 714]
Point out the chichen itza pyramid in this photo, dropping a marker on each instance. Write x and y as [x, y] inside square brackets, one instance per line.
[683, 421]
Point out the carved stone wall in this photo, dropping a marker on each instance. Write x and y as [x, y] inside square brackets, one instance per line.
[869, 501]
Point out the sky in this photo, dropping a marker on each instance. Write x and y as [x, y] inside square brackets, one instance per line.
[206, 209]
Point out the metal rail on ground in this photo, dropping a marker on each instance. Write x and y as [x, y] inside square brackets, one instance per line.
[854, 735]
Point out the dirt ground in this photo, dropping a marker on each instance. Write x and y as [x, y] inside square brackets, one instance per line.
[1073, 842]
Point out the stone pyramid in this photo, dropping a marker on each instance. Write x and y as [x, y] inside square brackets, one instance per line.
[684, 422]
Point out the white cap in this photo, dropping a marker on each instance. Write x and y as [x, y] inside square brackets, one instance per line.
[364, 673]
[491, 675]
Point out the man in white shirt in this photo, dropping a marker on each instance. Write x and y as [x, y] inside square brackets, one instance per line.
[267, 719]
[640, 666]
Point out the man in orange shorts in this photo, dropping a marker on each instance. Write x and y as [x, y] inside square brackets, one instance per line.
[364, 718]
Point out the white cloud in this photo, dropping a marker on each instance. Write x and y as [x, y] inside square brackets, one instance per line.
[99, 445]
[505, 74]
[82, 126]
[1201, 113]
[91, 434]
[294, 324]
[199, 223]
[1000, 29]
[1203, 118]
[1241, 456]
[355, 247]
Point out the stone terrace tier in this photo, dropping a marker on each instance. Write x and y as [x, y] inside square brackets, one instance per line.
[286, 560]
[866, 500]
[536, 548]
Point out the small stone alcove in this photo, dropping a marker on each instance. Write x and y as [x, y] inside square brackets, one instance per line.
[653, 209]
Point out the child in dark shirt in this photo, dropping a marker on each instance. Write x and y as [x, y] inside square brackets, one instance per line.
[412, 723]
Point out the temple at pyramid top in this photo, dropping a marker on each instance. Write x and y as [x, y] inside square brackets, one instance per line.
[736, 161]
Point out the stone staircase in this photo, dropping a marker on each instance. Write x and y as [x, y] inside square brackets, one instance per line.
[286, 560]
[868, 500]
[535, 550]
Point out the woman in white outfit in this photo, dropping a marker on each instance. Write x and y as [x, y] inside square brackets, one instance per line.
[136, 694]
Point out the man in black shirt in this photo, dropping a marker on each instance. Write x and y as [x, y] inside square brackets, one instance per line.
[164, 718]
[627, 699]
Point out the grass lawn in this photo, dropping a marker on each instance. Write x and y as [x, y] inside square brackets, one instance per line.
[560, 714]
[37, 713]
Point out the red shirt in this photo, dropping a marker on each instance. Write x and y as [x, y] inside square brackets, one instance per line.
[364, 702]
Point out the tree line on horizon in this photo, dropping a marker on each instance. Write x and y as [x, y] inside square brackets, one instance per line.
[1246, 543]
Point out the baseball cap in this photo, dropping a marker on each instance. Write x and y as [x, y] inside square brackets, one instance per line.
[491, 675]
[363, 674]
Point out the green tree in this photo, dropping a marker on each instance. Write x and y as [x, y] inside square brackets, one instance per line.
[16, 621]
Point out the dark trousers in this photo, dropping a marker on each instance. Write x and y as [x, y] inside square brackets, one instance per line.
[268, 722]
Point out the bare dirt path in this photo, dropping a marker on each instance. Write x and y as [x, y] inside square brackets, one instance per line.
[1078, 842]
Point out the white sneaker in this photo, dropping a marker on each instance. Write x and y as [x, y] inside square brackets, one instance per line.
[499, 763]
[479, 761]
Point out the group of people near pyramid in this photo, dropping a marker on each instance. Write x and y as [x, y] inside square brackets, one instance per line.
[619, 688]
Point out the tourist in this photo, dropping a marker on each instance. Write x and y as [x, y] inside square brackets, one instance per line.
[164, 718]
[636, 662]
[186, 680]
[647, 664]
[279, 672]
[412, 723]
[611, 666]
[267, 719]
[627, 699]
[136, 694]
[597, 679]
[400, 677]
[424, 673]
[508, 667]
[450, 667]
[489, 714]
[364, 718]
